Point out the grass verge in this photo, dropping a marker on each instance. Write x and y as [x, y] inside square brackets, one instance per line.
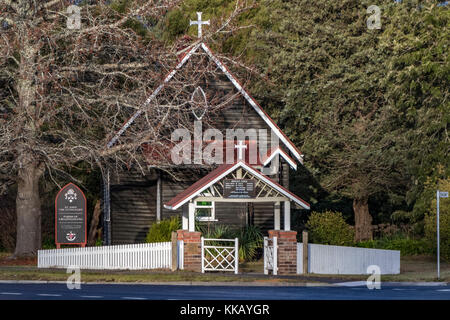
[413, 268]
[32, 273]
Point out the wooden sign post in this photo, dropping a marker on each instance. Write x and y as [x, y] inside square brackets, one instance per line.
[70, 216]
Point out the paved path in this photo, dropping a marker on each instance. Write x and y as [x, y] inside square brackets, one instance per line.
[59, 291]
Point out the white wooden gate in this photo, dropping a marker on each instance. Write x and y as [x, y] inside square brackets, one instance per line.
[219, 257]
[270, 255]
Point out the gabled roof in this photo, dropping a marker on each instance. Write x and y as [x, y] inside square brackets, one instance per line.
[220, 173]
[278, 151]
[288, 143]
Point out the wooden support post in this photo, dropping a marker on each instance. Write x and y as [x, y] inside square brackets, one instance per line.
[191, 216]
[287, 216]
[174, 251]
[277, 216]
[305, 251]
[185, 217]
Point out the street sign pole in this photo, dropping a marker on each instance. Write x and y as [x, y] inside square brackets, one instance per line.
[439, 194]
[437, 227]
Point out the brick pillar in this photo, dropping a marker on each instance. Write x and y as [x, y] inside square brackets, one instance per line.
[287, 251]
[192, 250]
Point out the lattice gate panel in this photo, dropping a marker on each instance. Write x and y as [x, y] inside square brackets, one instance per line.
[219, 257]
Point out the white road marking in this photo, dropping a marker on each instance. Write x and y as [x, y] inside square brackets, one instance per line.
[48, 295]
[98, 297]
[11, 293]
[134, 298]
[403, 289]
[351, 284]
[445, 290]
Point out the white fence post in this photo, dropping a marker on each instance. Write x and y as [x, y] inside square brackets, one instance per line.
[265, 253]
[236, 255]
[275, 256]
[181, 254]
[203, 254]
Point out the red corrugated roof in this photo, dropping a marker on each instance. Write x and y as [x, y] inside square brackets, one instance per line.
[197, 186]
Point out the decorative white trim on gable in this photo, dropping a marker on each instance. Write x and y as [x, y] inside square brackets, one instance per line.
[255, 106]
[284, 155]
[152, 96]
[237, 85]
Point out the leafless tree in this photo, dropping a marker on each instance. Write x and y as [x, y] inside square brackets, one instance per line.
[65, 92]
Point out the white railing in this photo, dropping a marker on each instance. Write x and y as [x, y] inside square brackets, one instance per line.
[326, 259]
[217, 257]
[131, 256]
[270, 255]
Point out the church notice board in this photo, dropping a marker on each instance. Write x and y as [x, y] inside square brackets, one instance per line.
[239, 188]
[70, 216]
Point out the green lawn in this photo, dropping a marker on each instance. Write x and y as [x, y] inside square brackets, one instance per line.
[30, 273]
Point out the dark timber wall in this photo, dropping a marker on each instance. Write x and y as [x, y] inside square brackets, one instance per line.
[133, 206]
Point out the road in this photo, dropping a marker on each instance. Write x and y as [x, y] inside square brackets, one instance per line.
[59, 291]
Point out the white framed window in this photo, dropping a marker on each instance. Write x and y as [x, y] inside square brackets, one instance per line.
[205, 211]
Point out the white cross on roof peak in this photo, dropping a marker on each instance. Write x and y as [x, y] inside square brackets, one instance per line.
[199, 23]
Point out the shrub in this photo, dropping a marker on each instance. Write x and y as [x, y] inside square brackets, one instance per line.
[48, 242]
[250, 240]
[407, 246]
[162, 231]
[444, 222]
[215, 231]
[329, 228]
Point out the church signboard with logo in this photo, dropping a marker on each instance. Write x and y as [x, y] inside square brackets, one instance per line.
[70, 216]
[239, 188]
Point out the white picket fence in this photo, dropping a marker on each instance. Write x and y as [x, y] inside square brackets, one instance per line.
[325, 259]
[132, 257]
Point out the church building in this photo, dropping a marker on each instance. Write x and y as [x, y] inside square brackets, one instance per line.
[224, 160]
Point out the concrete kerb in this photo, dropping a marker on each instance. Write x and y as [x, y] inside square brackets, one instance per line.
[392, 284]
[240, 283]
